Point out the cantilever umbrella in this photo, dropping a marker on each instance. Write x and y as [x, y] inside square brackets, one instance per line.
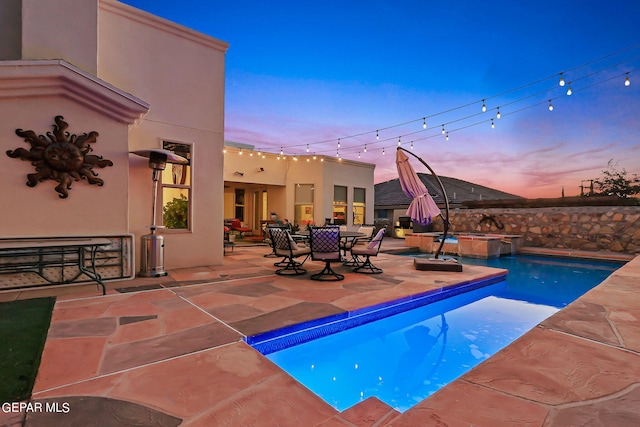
[422, 208]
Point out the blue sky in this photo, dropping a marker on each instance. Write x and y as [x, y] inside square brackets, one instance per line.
[301, 73]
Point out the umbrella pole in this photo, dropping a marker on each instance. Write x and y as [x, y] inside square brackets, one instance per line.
[445, 218]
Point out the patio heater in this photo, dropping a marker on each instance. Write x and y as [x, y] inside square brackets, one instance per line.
[152, 244]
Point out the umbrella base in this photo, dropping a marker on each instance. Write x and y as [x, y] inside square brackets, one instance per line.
[437, 265]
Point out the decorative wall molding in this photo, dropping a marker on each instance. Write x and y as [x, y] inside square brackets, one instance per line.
[42, 78]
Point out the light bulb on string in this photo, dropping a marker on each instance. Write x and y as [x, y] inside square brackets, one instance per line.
[281, 152]
[484, 107]
[377, 136]
[627, 82]
[561, 82]
[365, 148]
[447, 136]
[358, 154]
[383, 151]
[550, 106]
[424, 123]
[412, 145]
[569, 91]
[240, 152]
[493, 125]
[259, 152]
[498, 115]
[443, 129]
[399, 142]
[307, 148]
[338, 142]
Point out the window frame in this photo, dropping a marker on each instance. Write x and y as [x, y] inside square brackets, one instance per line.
[166, 145]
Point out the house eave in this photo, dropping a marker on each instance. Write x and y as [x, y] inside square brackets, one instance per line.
[42, 78]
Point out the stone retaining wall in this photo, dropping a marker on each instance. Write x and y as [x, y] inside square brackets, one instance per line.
[592, 228]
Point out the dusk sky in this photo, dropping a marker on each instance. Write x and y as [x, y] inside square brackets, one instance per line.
[312, 73]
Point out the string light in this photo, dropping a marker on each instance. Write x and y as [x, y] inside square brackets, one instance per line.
[240, 152]
[358, 154]
[412, 145]
[424, 122]
[259, 153]
[493, 125]
[446, 126]
[383, 151]
[447, 136]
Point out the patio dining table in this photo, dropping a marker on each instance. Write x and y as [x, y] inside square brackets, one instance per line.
[345, 236]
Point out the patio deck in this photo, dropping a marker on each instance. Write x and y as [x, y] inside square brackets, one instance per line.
[169, 352]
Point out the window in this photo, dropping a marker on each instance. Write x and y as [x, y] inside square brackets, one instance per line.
[239, 204]
[359, 204]
[303, 204]
[339, 205]
[176, 188]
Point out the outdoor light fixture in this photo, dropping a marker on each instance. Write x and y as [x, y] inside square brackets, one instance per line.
[569, 91]
[550, 106]
[627, 82]
[561, 82]
[152, 245]
[498, 115]
[484, 107]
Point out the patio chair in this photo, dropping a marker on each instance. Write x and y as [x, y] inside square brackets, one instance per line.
[236, 225]
[368, 231]
[325, 247]
[285, 247]
[372, 249]
[226, 242]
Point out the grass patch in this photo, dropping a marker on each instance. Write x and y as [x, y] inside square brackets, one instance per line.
[23, 332]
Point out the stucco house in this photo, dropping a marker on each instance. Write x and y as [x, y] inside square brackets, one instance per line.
[130, 81]
[304, 189]
[84, 83]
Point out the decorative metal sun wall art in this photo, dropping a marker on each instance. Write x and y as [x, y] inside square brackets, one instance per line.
[61, 157]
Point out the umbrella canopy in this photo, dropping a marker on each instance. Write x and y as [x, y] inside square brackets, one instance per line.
[422, 209]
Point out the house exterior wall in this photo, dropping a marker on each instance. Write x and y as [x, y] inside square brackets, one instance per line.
[181, 74]
[61, 29]
[11, 24]
[120, 56]
[280, 177]
[39, 211]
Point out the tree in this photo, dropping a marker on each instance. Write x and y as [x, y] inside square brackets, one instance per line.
[176, 213]
[614, 182]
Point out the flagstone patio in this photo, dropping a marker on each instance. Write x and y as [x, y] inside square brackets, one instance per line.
[170, 352]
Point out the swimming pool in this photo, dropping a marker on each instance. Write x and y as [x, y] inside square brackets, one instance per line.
[404, 358]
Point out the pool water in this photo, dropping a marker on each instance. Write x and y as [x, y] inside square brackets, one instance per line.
[404, 358]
